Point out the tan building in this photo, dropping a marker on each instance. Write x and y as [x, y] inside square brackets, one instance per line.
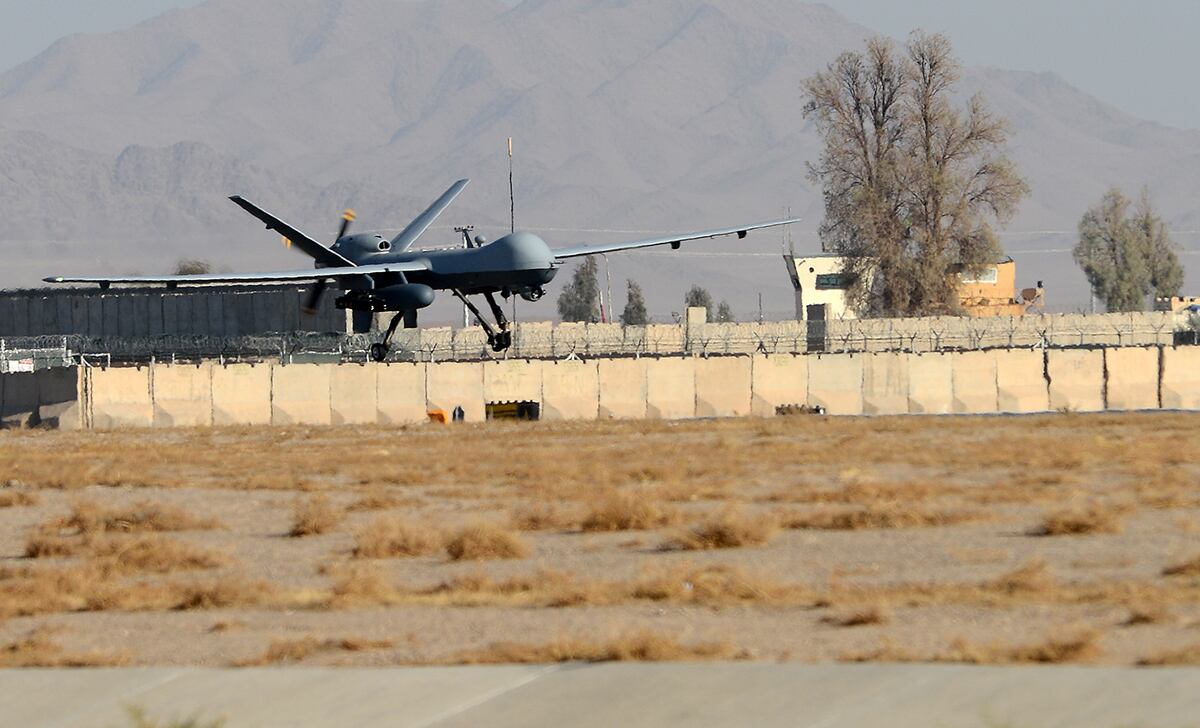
[1175, 304]
[821, 290]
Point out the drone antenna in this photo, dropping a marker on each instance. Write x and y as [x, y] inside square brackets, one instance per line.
[512, 200]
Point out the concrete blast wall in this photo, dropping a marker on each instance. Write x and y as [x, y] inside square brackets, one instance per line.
[882, 383]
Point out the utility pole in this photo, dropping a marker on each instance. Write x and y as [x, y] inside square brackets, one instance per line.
[608, 274]
[760, 313]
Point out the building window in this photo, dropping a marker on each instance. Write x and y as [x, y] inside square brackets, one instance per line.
[831, 281]
[989, 275]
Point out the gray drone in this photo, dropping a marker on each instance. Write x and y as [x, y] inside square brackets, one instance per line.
[376, 274]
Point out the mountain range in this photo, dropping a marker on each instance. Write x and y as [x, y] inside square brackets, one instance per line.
[117, 150]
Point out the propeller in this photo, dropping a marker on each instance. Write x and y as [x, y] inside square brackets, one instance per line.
[313, 302]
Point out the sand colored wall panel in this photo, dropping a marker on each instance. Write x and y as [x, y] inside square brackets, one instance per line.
[455, 384]
[781, 379]
[1076, 379]
[1181, 378]
[1132, 378]
[352, 394]
[182, 395]
[930, 384]
[120, 397]
[973, 376]
[59, 400]
[300, 394]
[723, 386]
[515, 380]
[885, 384]
[1021, 381]
[622, 388]
[571, 390]
[670, 388]
[835, 382]
[400, 393]
[241, 394]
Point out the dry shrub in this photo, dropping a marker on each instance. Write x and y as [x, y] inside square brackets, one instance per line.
[544, 517]
[715, 585]
[37, 649]
[1190, 567]
[314, 516]
[626, 510]
[732, 528]
[1032, 577]
[1081, 646]
[226, 625]
[391, 537]
[13, 498]
[485, 540]
[544, 588]
[882, 516]
[360, 584]
[292, 651]
[859, 617]
[1147, 614]
[42, 545]
[379, 499]
[222, 594]
[1189, 655]
[1078, 521]
[154, 554]
[90, 518]
[635, 647]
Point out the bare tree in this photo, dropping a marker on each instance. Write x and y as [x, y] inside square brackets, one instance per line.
[911, 184]
[1126, 252]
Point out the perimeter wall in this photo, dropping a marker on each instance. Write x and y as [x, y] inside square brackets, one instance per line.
[880, 383]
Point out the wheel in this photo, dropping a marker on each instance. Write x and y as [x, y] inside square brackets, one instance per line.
[379, 352]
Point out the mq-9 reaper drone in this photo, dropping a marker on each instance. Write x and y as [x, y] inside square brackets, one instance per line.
[376, 274]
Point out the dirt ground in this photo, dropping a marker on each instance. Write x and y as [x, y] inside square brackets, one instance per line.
[1058, 538]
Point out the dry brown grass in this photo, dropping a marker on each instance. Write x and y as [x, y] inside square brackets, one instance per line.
[485, 540]
[1148, 614]
[389, 537]
[870, 615]
[154, 554]
[379, 499]
[1093, 518]
[1188, 567]
[313, 516]
[633, 647]
[730, 529]
[880, 516]
[90, 518]
[1189, 655]
[38, 649]
[543, 516]
[294, 651]
[627, 510]
[14, 498]
[1078, 646]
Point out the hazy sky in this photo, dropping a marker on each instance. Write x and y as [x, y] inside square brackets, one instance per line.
[1137, 54]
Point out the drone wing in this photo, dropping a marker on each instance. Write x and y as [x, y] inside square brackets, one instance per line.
[310, 247]
[673, 240]
[210, 279]
[421, 222]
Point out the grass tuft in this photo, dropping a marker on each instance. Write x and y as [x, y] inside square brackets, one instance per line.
[314, 516]
[1079, 521]
[295, 651]
[389, 537]
[1190, 567]
[633, 647]
[14, 498]
[626, 510]
[732, 528]
[485, 540]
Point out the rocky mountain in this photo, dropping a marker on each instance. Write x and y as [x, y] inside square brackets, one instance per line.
[117, 150]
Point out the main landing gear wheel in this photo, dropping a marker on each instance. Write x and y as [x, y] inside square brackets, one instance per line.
[379, 352]
[501, 341]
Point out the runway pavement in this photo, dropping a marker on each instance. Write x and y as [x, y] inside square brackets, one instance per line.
[695, 695]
